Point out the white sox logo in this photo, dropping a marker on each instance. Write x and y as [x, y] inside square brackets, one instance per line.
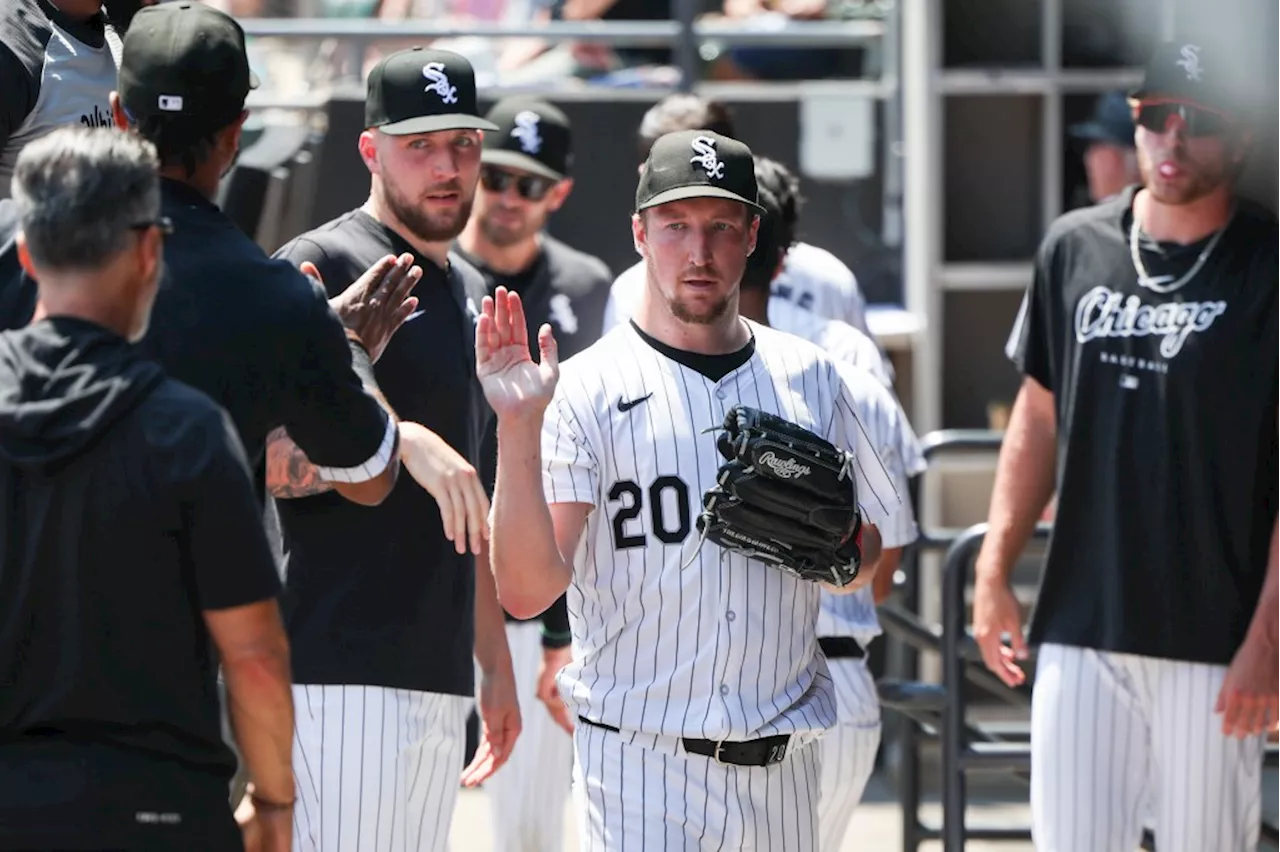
[434, 71]
[1190, 62]
[1106, 313]
[526, 131]
[561, 310]
[704, 147]
[784, 468]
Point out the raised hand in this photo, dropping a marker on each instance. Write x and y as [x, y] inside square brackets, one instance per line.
[378, 302]
[513, 384]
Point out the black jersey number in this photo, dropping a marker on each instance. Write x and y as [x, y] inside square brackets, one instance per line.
[632, 497]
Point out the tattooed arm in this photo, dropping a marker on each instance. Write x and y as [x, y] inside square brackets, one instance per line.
[289, 473]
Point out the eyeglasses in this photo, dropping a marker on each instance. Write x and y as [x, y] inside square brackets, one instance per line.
[1196, 120]
[163, 223]
[530, 187]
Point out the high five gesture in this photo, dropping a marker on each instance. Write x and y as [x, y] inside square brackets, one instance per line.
[513, 384]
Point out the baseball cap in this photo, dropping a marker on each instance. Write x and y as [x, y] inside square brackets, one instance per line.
[184, 59]
[697, 164]
[532, 136]
[1112, 121]
[422, 90]
[1187, 72]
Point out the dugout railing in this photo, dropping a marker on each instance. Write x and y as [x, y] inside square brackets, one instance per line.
[940, 711]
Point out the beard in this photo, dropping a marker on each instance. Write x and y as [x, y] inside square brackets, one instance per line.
[705, 315]
[1200, 179]
[424, 226]
[505, 236]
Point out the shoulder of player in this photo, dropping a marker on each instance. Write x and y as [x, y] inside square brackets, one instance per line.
[818, 264]
[629, 280]
[24, 36]
[188, 428]
[586, 374]
[1084, 223]
[584, 270]
[801, 351]
[1255, 225]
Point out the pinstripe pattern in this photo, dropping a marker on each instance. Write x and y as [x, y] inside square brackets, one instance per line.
[726, 648]
[367, 470]
[848, 750]
[527, 796]
[376, 768]
[1117, 739]
[635, 794]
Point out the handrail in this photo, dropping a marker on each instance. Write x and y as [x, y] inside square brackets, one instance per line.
[955, 577]
[629, 33]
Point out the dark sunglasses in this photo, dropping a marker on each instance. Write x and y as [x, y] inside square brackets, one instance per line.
[164, 223]
[1198, 122]
[530, 187]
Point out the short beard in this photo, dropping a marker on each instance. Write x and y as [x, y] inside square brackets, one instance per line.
[421, 225]
[503, 237]
[709, 316]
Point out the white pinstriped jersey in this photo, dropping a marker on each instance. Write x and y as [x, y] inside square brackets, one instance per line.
[725, 647]
[838, 339]
[896, 444]
[812, 279]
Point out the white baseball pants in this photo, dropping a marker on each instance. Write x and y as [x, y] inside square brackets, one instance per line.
[529, 793]
[645, 793]
[1116, 738]
[377, 769]
[848, 750]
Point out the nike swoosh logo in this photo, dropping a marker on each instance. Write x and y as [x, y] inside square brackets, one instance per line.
[625, 406]
[414, 315]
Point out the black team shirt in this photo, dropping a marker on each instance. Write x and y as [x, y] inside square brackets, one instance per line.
[1166, 407]
[377, 596]
[567, 289]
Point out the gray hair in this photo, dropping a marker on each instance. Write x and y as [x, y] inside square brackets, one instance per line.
[80, 191]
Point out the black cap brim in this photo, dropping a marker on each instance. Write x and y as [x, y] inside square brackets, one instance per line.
[433, 123]
[681, 193]
[522, 162]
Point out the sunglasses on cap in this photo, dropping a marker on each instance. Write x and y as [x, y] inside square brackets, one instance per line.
[1197, 120]
[529, 187]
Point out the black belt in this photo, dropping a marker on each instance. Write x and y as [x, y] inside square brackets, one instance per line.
[840, 648]
[762, 752]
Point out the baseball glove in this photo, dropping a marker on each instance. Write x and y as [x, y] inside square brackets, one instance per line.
[784, 496]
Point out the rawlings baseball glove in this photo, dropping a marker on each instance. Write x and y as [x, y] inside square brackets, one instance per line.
[784, 496]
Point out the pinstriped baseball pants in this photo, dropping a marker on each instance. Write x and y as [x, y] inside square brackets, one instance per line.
[848, 750]
[641, 793]
[1117, 739]
[377, 769]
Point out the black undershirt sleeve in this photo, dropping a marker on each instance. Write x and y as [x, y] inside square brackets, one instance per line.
[17, 93]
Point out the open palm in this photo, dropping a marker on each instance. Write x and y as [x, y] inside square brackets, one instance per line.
[513, 384]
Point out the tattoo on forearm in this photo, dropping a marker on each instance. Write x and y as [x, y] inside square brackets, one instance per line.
[289, 474]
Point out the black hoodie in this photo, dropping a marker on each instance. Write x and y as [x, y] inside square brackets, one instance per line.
[125, 510]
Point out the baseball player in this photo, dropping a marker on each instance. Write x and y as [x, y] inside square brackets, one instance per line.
[524, 178]
[696, 678]
[1148, 342]
[385, 605]
[812, 278]
[847, 624]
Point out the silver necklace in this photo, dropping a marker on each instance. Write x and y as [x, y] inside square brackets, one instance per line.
[1158, 284]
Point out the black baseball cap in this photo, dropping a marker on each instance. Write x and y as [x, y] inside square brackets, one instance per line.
[184, 59]
[1112, 121]
[1187, 72]
[697, 164]
[422, 90]
[532, 136]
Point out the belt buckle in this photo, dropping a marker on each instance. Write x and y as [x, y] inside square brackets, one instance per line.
[715, 755]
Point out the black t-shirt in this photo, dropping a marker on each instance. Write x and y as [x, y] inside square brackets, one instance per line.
[568, 289]
[126, 512]
[1167, 419]
[378, 596]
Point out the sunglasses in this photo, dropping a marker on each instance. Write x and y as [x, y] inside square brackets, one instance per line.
[1197, 121]
[164, 223]
[529, 187]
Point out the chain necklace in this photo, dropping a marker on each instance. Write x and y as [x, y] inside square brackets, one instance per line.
[1158, 284]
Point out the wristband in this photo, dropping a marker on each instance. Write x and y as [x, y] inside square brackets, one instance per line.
[556, 639]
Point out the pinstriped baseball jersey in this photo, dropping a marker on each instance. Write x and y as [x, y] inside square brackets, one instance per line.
[896, 445]
[670, 637]
[841, 341]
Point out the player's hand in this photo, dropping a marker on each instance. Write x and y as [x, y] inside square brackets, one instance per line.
[513, 384]
[264, 831]
[1249, 700]
[451, 480]
[553, 660]
[995, 614]
[378, 302]
[500, 725]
